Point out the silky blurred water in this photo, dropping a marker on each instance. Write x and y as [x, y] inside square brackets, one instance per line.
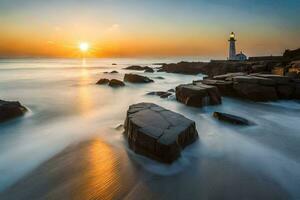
[66, 107]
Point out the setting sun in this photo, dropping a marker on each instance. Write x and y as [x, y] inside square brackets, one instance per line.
[84, 46]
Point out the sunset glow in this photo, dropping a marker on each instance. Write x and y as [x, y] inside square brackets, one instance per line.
[84, 46]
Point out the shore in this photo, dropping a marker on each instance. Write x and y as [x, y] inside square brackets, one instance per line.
[96, 170]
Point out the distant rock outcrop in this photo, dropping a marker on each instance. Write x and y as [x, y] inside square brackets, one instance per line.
[158, 133]
[256, 87]
[138, 68]
[198, 95]
[10, 109]
[134, 78]
[161, 94]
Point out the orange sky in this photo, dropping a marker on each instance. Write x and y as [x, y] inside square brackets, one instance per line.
[174, 29]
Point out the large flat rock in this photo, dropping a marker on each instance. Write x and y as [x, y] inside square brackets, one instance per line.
[10, 109]
[198, 94]
[135, 78]
[158, 133]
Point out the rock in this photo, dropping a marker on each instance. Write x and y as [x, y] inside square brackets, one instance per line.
[134, 78]
[116, 83]
[228, 76]
[159, 77]
[158, 133]
[138, 68]
[183, 67]
[254, 80]
[285, 91]
[225, 87]
[114, 64]
[161, 94]
[277, 78]
[198, 95]
[255, 92]
[114, 72]
[231, 118]
[103, 81]
[171, 90]
[10, 109]
[292, 54]
[150, 70]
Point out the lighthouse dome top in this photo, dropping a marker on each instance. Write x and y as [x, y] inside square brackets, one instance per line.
[232, 35]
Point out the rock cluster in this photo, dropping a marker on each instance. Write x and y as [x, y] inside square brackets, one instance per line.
[198, 94]
[134, 78]
[111, 83]
[256, 87]
[10, 109]
[158, 133]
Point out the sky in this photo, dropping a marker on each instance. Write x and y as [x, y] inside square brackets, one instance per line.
[147, 28]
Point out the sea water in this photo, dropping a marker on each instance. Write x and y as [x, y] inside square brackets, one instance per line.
[67, 107]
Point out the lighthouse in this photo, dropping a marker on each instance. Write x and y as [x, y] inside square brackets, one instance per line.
[232, 51]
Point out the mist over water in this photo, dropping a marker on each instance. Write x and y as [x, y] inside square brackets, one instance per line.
[66, 107]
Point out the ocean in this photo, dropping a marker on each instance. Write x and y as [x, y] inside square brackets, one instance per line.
[66, 108]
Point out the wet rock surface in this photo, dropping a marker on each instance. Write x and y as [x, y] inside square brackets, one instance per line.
[233, 119]
[198, 94]
[10, 109]
[158, 133]
[149, 70]
[134, 78]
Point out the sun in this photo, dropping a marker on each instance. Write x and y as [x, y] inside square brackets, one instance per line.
[84, 46]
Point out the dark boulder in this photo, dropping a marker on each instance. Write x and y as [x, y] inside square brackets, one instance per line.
[116, 83]
[103, 81]
[10, 109]
[158, 133]
[198, 95]
[134, 78]
[114, 72]
[233, 119]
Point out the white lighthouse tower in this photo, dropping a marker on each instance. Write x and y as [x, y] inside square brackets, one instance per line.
[232, 51]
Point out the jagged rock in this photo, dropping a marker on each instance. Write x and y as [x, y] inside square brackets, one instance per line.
[10, 109]
[158, 133]
[171, 90]
[116, 83]
[103, 81]
[150, 70]
[161, 94]
[138, 68]
[134, 78]
[198, 95]
[231, 118]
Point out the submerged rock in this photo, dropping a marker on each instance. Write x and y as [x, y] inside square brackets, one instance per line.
[103, 81]
[10, 109]
[114, 72]
[149, 70]
[116, 83]
[158, 133]
[231, 118]
[134, 78]
[161, 94]
[198, 95]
